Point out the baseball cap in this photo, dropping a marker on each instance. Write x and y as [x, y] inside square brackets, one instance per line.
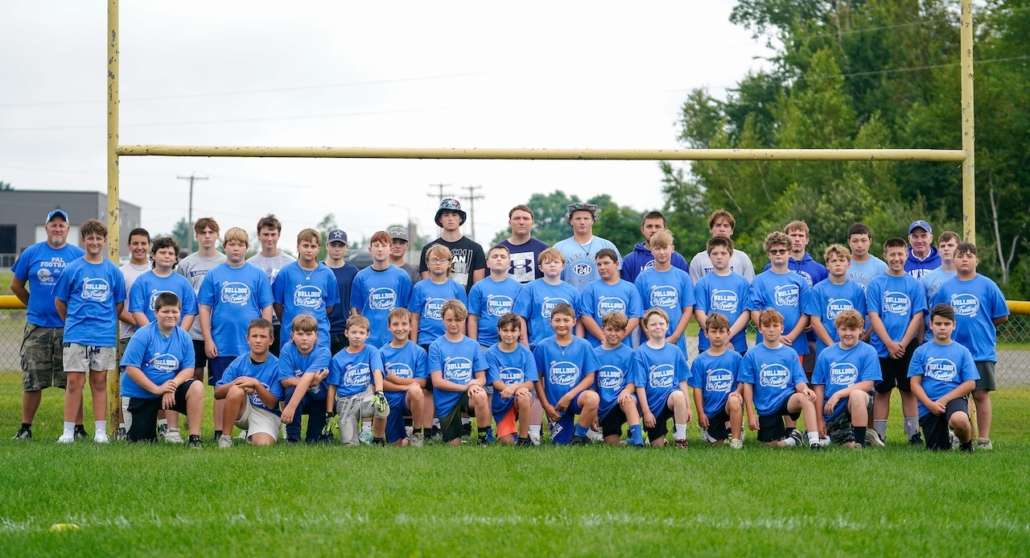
[397, 232]
[57, 213]
[336, 235]
[452, 205]
[920, 224]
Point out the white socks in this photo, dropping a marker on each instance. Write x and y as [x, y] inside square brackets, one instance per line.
[680, 433]
[69, 428]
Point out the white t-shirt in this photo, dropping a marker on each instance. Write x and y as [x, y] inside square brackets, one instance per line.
[740, 263]
[271, 266]
[131, 272]
[194, 268]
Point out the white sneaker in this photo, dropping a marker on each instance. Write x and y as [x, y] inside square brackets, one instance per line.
[594, 436]
[173, 437]
[416, 440]
[707, 437]
[100, 437]
[736, 443]
[242, 435]
[535, 438]
[224, 442]
[872, 438]
[984, 444]
[824, 441]
[66, 438]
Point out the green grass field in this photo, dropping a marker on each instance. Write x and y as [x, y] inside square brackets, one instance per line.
[166, 500]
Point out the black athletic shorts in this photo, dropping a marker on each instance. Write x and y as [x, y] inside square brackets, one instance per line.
[717, 425]
[895, 372]
[144, 413]
[611, 424]
[935, 427]
[661, 426]
[450, 425]
[771, 428]
[199, 359]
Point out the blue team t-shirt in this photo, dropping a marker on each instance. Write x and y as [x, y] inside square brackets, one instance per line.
[827, 299]
[236, 296]
[726, 295]
[515, 367]
[943, 368]
[614, 372]
[91, 293]
[160, 357]
[302, 291]
[374, 294]
[774, 373]
[427, 300]
[895, 300]
[659, 372]
[535, 302]
[786, 293]
[488, 301]
[561, 367]
[293, 364]
[977, 303]
[266, 372]
[670, 290]
[41, 266]
[407, 362]
[716, 377]
[351, 373]
[147, 286]
[836, 368]
[457, 362]
[599, 299]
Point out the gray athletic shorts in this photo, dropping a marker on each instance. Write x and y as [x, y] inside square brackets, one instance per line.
[350, 410]
[86, 358]
[986, 381]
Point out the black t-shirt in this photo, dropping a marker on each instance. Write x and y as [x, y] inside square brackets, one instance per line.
[466, 257]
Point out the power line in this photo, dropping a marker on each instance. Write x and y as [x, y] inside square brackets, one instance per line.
[472, 196]
[191, 178]
[440, 194]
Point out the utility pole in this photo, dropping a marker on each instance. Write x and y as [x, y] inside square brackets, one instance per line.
[472, 196]
[192, 177]
[440, 194]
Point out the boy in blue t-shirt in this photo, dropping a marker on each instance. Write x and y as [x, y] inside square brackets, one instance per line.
[778, 288]
[404, 365]
[379, 288]
[980, 308]
[713, 377]
[722, 292]
[304, 366]
[512, 372]
[231, 295]
[567, 367]
[162, 278]
[863, 266]
[774, 387]
[458, 372]
[895, 302]
[356, 386]
[669, 288]
[538, 299]
[660, 375]
[158, 375]
[429, 295]
[608, 294]
[89, 297]
[943, 373]
[252, 388]
[492, 297]
[844, 375]
[833, 295]
[306, 286]
[614, 384]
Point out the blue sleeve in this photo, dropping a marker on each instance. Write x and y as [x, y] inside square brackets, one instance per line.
[523, 302]
[915, 366]
[264, 295]
[119, 284]
[797, 373]
[574, 300]
[21, 265]
[375, 360]
[696, 370]
[415, 301]
[586, 301]
[319, 360]
[206, 295]
[189, 359]
[819, 373]
[999, 308]
[873, 298]
[747, 370]
[189, 299]
[64, 285]
[405, 289]
[756, 298]
[279, 287]
[701, 298]
[459, 293]
[285, 363]
[638, 370]
[334, 372]
[475, 305]
[969, 371]
[532, 374]
[641, 286]
[492, 368]
[860, 304]
[137, 297]
[357, 293]
[682, 369]
[590, 364]
[133, 355]
[688, 292]
[419, 370]
[871, 367]
[540, 359]
[332, 289]
[479, 362]
[435, 363]
[634, 306]
[918, 297]
[812, 302]
[231, 372]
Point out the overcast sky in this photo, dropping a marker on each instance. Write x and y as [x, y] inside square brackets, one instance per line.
[431, 74]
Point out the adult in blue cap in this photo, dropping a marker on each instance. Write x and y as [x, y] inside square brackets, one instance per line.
[922, 256]
[468, 262]
[35, 274]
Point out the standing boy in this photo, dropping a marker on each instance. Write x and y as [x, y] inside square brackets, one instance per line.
[723, 292]
[895, 302]
[458, 372]
[979, 309]
[251, 387]
[831, 296]
[537, 300]
[399, 252]
[641, 257]
[378, 289]
[159, 374]
[580, 249]
[942, 374]
[606, 295]
[306, 286]
[89, 297]
[40, 267]
[722, 223]
[232, 296]
[660, 374]
[567, 366]
[404, 364]
[512, 373]
[492, 297]
[138, 264]
[713, 377]
[778, 288]
[668, 288]
[524, 249]
[774, 387]
[932, 281]
[194, 267]
[468, 264]
[356, 385]
[303, 363]
[614, 384]
[429, 295]
[336, 261]
[270, 260]
[864, 266]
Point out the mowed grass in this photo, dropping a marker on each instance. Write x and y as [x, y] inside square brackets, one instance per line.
[166, 501]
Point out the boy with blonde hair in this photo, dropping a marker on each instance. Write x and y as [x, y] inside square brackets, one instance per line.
[459, 373]
[832, 296]
[404, 365]
[251, 387]
[429, 295]
[614, 384]
[713, 377]
[668, 288]
[844, 375]
[538, 299]
[660, 374]
[356, 385]
[306, 286]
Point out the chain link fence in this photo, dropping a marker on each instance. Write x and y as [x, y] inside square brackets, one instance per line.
[1013, 347]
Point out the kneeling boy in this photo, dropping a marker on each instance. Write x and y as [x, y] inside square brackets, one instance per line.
[716, 390]
[356, 385]
[614, 383]
[844, 375]
[251, 389]
[511, 371]
[404, 364]
[660, 374]
[459, 373]
[304, 365]
[567, 366]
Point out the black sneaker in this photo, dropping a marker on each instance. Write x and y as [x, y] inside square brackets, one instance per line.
[121, 434]
[524, 442]
[916, 439]
[80, 433]
[194, 442]
[24, 433]
[218, 434]
[380, 442]
[580, 441]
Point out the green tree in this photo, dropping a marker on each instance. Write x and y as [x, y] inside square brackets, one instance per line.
[5, 186]
[182, 232]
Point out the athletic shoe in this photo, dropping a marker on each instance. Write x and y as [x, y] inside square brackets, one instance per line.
[966, 447]
[24, 433]
[173, 437]
[580, 441]
[243, 435]
[121, 434]
[594, 435]
[524, 443]
[984, 444]
[66, 439]
[708, 437]
[224, 442]
[816, 446]
[365, 437]
[824, 440]
[417, 439]
[194, 442]
[100, 437]
[853, 445]
[916, 439]
[736, 443]
[682, 444]
[872, 438]
[955, 443]
[534, 437]
[162, 429]
[798, 437]
[80, 433]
